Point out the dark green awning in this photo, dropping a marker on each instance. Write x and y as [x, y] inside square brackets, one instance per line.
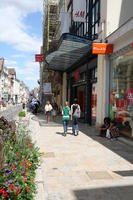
[70, 50]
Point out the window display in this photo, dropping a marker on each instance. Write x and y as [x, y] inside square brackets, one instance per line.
[121, 91]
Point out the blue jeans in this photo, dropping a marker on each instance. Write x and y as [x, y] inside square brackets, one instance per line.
[75, 127]
[65, 125]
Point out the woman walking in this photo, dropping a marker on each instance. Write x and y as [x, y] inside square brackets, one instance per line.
[54, 111]
[66, 117]
[75, 114]
[48, 109]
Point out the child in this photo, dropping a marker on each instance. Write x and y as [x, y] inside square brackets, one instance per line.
[104, 127]
[114, 131]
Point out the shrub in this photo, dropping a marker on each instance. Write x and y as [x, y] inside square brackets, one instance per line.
[22, 114]
[21, 161]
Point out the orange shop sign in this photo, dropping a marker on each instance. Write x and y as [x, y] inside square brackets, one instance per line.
[102, 48]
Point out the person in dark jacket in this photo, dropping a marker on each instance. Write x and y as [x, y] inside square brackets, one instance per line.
[75, 114]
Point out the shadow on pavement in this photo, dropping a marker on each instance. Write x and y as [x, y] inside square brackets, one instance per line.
[61, 133]
[115, 146]
[105, 193]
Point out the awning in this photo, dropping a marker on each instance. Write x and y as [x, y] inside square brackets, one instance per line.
[70, 50]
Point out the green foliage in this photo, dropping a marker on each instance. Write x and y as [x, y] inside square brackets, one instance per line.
[21, 161]
[22, 114]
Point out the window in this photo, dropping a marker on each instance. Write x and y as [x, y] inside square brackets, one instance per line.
[90, 27]
[121, 90]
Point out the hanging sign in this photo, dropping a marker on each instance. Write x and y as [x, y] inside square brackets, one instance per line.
[102, 48]
[39, 57]
[47, 88]
[79, 10]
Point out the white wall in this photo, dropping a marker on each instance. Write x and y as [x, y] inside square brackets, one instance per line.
[16, 87]
[117, 27]
[118, 12]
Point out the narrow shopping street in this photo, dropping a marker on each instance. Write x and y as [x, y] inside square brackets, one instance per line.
[86, 167]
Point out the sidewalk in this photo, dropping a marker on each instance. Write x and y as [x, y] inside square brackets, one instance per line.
[86, 167]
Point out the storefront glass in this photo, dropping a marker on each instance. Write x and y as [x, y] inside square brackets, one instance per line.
[121, 92]
[94, 103]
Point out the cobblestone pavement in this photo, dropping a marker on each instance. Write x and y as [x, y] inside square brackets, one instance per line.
[85, 167]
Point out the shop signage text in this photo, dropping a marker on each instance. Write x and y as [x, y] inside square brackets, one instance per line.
[102, 48]
[79, 10]
[39, 57]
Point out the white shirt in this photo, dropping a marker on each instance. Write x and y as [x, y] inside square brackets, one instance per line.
[48, 107]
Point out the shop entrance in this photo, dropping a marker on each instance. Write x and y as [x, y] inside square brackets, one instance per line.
[81, 99]
[79, 93]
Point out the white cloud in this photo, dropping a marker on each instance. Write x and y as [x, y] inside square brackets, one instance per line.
[18, 56]
[13, 31]
[25, 6]
[29, 72]
[10, 63]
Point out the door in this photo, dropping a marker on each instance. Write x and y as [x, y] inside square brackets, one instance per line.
[81, 99]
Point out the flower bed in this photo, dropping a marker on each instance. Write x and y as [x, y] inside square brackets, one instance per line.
[21, 161]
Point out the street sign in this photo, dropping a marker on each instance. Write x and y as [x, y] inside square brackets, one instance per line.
[79, 10]
[39, 57]
[102, 48]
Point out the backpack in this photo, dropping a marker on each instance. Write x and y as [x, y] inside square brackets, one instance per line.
[77, 112]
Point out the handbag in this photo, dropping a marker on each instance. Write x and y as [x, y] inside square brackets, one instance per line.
[108, 135]
[77, 113]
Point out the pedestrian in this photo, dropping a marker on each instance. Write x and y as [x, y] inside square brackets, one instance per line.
[114, 131]
[48, 109]
[36, 107]
[103, 129]
[65, 117]
[75, 114]
[54, 111]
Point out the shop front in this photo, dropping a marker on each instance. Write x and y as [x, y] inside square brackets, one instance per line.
[73, 58]
[82, 84]
[121, 90]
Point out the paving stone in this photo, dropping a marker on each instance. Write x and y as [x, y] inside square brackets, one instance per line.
[99, 175]
[83, 167]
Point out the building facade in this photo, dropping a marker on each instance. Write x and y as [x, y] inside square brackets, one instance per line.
[73, 56]
[51, 33]
[115, 71]
[103, 82]
[12, 90]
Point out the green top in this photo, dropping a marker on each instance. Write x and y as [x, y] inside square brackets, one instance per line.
[66, 113]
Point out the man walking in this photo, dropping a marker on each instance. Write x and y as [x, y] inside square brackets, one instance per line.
[75, 114]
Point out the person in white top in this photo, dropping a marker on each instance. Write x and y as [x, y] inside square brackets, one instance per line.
[48, 109]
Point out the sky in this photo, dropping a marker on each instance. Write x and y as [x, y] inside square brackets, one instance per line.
[21, 37]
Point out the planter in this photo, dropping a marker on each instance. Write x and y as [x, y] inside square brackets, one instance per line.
[21, 160]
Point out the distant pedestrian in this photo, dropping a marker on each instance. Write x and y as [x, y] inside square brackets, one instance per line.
[65, 117]
[75, 114]
[48, 110]
[54, 111]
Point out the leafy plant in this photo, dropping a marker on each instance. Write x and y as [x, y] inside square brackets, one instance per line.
[22, 159]
[22, 114]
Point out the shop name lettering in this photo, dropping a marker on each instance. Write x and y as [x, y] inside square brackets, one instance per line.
[80, 14]
[99, 48]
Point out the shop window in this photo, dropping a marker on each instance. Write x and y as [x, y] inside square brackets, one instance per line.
[121, 91]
